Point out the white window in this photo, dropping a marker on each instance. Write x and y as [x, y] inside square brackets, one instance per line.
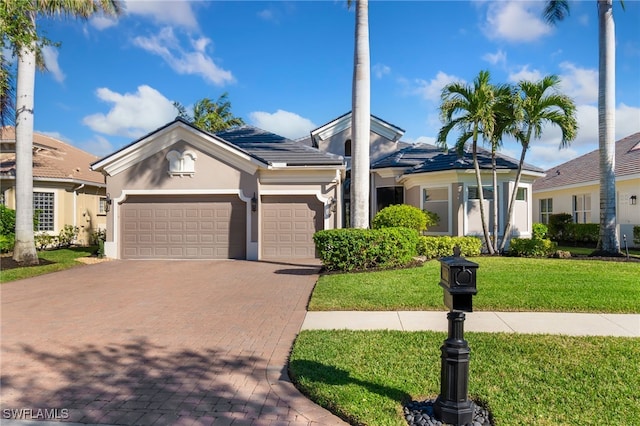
[102, 207]
[487, 193]
[44, 207]
[582, 208]
[521, 195]
[181, 163]
[546, 209]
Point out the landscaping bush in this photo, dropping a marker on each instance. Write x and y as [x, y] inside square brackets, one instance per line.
[67, 236]
[96, 236]
[539, 231]
[636, 234]
[557, 224]
[580, 233]
[532, 247]
[44, 241]
[400, 215]
[362, 249]
[6, 243]
[436, 247]
[7, 221]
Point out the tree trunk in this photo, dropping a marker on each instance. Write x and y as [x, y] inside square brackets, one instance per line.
[361, 120]
[494, 237]
[609, 242]
[24, 250]
[483, 218]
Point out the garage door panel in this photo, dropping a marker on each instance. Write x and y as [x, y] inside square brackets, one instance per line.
[196, 227]
[288, 225]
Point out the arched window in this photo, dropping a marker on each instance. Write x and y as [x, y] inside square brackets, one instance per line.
[347, 148]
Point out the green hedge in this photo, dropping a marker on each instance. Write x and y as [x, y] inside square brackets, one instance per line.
[362, 249]
[562, 229]
[636, 234]
[436, 247]
[531, 247]
[400, 215]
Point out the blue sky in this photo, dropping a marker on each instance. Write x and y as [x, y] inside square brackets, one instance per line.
[287, 65]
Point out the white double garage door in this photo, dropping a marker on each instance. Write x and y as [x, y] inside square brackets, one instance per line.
[215, 227]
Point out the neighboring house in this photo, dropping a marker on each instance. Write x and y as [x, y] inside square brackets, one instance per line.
[574, 187]
[244, 193]
[65, 190]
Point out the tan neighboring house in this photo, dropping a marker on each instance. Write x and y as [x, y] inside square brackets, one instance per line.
[574, 187]
[65, 189]
[182, 193]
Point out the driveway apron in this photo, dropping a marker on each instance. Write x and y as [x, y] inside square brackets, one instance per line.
[157, 342]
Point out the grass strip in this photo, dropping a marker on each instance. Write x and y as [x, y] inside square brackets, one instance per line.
[504, 284]
[51, 261]
[365, 377]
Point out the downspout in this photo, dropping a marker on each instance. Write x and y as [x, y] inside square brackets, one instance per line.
[75, 204]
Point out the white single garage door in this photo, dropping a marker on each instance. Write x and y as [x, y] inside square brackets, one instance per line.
[183, 227]
[288, 225]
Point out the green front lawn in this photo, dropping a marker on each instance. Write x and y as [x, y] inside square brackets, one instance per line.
[367, 376]
[50, 261]
[504, 284]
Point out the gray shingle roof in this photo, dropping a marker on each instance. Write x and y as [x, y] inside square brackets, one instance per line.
[272, 148]
[424, 158]
[587, 167]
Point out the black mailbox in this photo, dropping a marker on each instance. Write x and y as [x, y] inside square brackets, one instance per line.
[458, 279]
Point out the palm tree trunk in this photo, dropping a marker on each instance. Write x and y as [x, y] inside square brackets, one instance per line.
[24, 250]
[494, 237]
[483, 218]
[361, 119]
[609, 242]
[514, 193]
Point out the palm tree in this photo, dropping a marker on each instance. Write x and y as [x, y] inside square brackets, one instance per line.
[26, 47]
[539, 104]
[210, 116]
[361, 119]
[555, 11]
[470, 109]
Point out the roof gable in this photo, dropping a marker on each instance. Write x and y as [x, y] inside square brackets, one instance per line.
[52, 159]
[378, 126]
[586, 168]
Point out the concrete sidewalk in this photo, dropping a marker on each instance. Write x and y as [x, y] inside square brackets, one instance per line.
[571, 324]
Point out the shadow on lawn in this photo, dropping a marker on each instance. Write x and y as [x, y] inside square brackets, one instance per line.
[137, 383]
[317, 372]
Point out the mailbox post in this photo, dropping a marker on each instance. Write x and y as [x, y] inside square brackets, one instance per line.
[458, 279]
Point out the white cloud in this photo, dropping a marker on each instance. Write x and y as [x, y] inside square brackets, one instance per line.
[515, 21]
[581, 84]
[132, 114]
[500, 57]
[524, 74]
[50, 55]
[99, 146]
[283, 123]
[431, 90]
[380, 70]
[171, 12]
[195, 62]
[267, 15]
[101, 22]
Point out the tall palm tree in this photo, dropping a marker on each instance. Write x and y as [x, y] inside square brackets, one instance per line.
[26, 47]
[540, 104]
[470, 109]
[361, 119]
[210, 116]
[555, 11]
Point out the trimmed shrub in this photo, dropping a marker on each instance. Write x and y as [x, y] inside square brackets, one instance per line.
[531, 247]
[400, 215]
[45, 241]
[580, 233]
[67, 235]
[98, 235]
[436, 247]
[636, 234]
[539, 231]
[557, 224]
[362, 249]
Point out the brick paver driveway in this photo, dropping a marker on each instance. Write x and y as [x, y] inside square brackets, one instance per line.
[151, 342]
